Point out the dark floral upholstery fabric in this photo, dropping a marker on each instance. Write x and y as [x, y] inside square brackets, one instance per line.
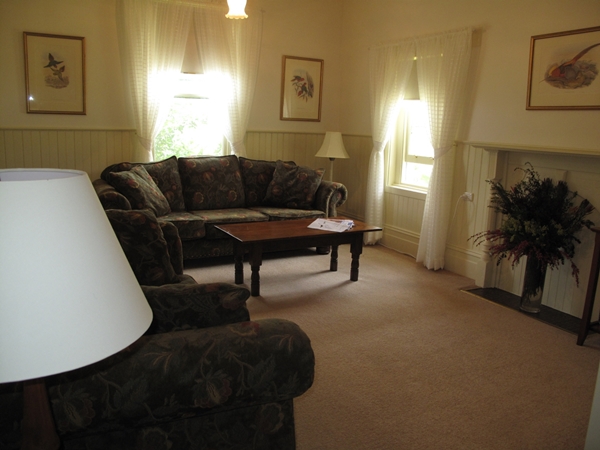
[211, 182]
[223, 387]
[175, 375]
[183, 306]
[275, 213]
[233, 215]
[257, 175]
[144, 245]
[329, 196]
[226, 181]
[165, 174]
[174, 246]
[141, 191]
[109, 196]
[189, 225]
[293, 186]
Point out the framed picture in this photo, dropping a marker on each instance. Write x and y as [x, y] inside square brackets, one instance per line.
[563, 70]
[301, 89]
[54, 73]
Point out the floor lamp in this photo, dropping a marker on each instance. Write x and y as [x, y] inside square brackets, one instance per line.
[332, 148]
[67, 293]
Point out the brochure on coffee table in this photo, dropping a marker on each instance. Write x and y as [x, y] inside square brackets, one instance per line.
[332, 225]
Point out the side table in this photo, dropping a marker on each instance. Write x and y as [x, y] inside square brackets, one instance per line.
[590, 295]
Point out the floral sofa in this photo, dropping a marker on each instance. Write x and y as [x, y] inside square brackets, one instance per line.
[197, 193]
[204, 376]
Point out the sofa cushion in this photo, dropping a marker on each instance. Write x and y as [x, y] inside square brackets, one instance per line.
[189, 225]
[140, 189]
[232, 215]
[256, 176]
[211, 182]
[165, 174]
[275, 213]
[144, 245]
[293, 186]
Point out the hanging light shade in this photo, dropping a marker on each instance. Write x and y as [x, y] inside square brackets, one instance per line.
[236, 9]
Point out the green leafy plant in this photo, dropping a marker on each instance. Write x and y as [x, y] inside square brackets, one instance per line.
[540, 218]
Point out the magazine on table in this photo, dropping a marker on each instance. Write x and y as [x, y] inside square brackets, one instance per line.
[337, 225]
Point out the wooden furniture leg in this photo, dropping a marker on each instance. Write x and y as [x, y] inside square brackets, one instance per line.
[255, 263]
[333, 264]
[356, 250]
[590, 295]
[239, 263]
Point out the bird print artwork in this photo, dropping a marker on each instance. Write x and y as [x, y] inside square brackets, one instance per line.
[52, 62]
[304, 86]
[55, 76]
[573, 74]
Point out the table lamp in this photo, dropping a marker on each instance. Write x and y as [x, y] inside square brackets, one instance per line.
[333, 147]
[68, 296]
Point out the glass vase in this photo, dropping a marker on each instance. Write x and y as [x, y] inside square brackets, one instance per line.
[533, 285]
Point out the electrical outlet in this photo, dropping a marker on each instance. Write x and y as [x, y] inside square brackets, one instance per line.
[467, 196]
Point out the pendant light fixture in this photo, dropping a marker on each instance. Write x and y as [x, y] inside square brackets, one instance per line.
[236, 9]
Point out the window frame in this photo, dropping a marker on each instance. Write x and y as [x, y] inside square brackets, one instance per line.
[397, 153]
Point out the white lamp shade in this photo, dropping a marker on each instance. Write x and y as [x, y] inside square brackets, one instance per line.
[236, 9]
[333, 146]
[68, 296]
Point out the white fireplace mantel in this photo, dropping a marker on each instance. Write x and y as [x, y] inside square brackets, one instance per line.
[495, 146]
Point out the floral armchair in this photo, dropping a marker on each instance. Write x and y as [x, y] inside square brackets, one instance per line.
[203, 377]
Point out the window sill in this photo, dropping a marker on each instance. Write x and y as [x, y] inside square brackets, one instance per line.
[405, 191]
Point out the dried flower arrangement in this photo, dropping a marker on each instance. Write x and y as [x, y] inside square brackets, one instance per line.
[540, 219]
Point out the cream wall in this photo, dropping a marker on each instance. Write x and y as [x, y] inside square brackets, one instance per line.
[93, 19]
[500, 86]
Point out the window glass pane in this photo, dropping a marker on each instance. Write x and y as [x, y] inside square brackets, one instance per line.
[412, 154]
[418, 139]
[190, 128]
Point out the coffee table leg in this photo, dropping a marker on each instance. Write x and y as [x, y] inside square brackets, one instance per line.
[356, 250]
[239, 264]
[333, 264]
[255, 263]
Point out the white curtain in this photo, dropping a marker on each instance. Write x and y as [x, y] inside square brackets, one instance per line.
[230, 51]
[390, 68]
[442, 67]
[152, 37]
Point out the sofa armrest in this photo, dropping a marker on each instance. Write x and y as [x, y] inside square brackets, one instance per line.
[183, 374]
[109, 196]
[185, 306]
[171, 235]
[329, 196]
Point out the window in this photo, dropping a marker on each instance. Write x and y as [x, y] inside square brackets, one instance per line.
[190, 129]
[410, 150]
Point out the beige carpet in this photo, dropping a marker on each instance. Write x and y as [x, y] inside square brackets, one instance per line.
[406, 360]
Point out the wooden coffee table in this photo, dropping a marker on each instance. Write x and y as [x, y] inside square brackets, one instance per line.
[255, 238]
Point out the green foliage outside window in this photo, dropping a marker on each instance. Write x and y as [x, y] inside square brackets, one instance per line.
[188, 131]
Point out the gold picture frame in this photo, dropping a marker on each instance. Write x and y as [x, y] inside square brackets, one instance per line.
[563, 70]
[301, 89]
[54, 73]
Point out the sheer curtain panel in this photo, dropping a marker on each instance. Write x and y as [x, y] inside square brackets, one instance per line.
[390, 67]
[152, 37]
[230, 52]
[442, 67]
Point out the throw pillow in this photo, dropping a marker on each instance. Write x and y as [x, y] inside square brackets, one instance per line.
[140, 189]
[165, 174]
[256, 175]
[293, 186]
[211, 182]
[144, 245]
